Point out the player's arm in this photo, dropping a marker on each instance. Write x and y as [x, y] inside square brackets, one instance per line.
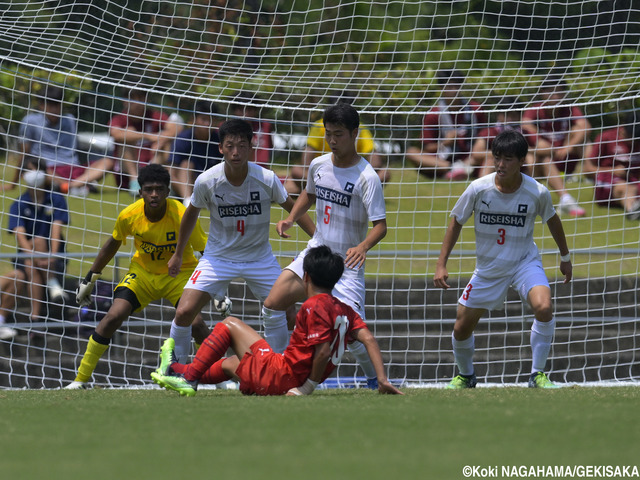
[304, 221]
[187, 224]
[365, 336]
[106, 253]
[321, 357]
[300, 208]
[358, 254]
[450, 238]
[578, 132]
[557, 232]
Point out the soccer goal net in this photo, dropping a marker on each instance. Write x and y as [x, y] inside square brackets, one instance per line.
[432, 81]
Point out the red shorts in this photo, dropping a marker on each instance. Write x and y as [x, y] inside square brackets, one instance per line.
[605, 181]
[68, 172]
[264, 372]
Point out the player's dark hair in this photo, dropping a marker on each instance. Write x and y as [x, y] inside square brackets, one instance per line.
[205, 107]
[323, 266]
[235, 127]
[450, 76]
[154, 173]
[53, 94]
[342, 114]
[554, 82]
[510, 142]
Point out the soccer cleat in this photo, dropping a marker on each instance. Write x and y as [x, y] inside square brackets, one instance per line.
[461, 381]
[372, 383]
[459, 171]
[167, 357]
[75, 385]
[176, 382]
[570, 207]
[540, 380]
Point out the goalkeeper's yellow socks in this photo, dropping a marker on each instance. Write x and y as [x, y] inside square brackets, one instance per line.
[95, 349]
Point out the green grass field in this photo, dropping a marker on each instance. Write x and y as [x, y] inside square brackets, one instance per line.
[427, 434]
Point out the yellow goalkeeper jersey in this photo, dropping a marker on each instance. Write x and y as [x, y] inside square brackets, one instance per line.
[315, 139]
[155, 242]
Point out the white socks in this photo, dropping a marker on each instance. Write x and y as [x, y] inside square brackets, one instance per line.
[182, 337]
[541, 337]
[463, 353]
[276, 332]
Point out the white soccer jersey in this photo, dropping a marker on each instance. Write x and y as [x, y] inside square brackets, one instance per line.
[347, 199]
[503, 222]
[240, 216]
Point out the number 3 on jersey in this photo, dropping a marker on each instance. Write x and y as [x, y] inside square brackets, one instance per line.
[501, 235]
[240, 227]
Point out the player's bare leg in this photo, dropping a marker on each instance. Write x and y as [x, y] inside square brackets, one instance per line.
[287, 290]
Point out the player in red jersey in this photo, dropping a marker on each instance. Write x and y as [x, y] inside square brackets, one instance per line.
[324, 326]
[557, 133]
[616, 158]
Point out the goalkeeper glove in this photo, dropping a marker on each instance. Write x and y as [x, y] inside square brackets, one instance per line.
[83, 293]
[223, 305]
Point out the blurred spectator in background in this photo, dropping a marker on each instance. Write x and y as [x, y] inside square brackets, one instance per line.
[51, 136]
[142, 135]
[615, 155]
[507, 118]
[37, 219]
[195, 150]
[245, 107]
[448, 131]
[557, 135]
[317, 145]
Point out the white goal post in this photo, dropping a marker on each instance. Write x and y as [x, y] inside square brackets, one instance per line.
[279, 64]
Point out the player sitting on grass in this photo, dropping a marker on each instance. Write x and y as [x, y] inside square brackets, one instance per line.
[324, 326]
[505, 205]
[153, 222]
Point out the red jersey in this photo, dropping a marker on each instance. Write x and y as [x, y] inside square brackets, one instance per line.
[153, 122]
[262, 143]
[553, 125]
[611, 147]
[322, 318]
[467, 121]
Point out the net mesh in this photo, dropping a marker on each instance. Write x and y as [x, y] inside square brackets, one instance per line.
[279, 64]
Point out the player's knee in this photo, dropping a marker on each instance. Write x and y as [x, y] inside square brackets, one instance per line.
[544, 313]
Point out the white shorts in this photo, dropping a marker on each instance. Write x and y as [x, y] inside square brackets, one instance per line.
[490, 293]
[213, 275]
[349, 289]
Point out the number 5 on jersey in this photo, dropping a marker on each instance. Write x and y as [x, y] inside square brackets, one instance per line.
[327, 214]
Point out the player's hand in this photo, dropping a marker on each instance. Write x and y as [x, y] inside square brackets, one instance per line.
[83, 292]
[567, 270]
[282, 226]
[440, 278]
[385, 387]
[355, 257]
[174, 265]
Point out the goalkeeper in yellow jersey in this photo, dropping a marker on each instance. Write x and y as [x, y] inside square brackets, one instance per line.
[153, 222]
